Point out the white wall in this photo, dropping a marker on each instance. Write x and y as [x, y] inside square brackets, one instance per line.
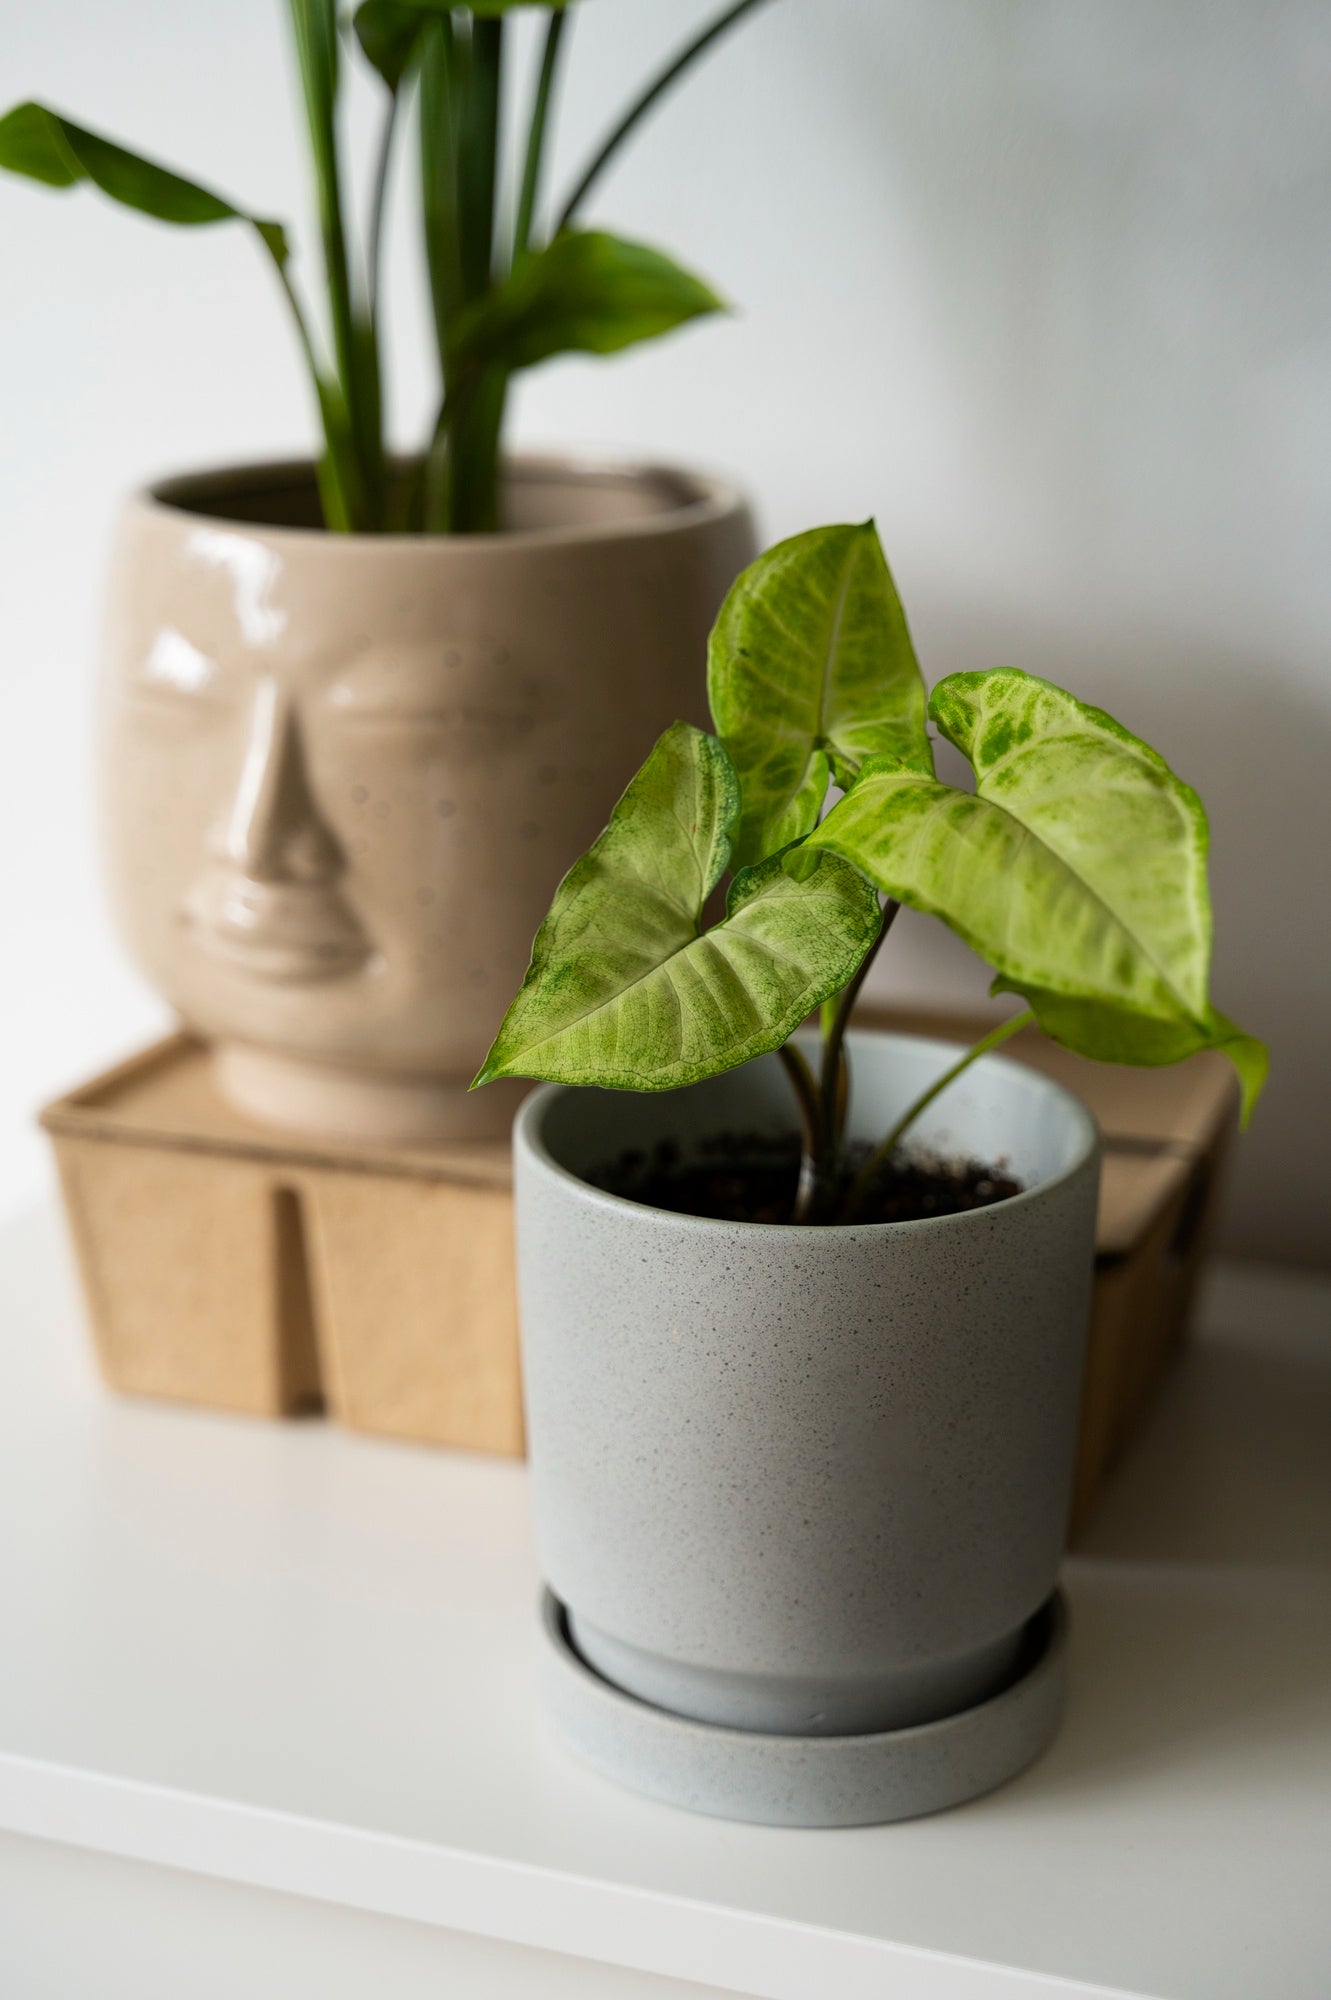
[1043, 284]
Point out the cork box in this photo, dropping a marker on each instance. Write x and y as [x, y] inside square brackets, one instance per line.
[225, 1264]
[229, 1265]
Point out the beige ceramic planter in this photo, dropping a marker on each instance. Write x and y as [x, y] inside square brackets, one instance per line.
[341, 775]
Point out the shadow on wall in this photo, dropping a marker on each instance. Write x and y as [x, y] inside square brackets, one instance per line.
[1116, 216]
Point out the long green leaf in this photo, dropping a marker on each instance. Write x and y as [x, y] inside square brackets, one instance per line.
[626, 991]
[1077, 868]
[47, 147]
[355, 342]
[480, 56]
[810, 663]
[439, 193]
[585, 293]
[536, 128]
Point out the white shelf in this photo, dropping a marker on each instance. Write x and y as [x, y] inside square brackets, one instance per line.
[288, 1657]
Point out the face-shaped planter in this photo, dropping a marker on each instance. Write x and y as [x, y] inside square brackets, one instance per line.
[343, 774]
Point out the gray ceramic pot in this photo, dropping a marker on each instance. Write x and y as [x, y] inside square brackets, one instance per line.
[805, 1481]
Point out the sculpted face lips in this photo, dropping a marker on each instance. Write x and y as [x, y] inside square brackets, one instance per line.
[290, 935]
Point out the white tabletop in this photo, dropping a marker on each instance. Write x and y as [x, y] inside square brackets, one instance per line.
[285, 1656]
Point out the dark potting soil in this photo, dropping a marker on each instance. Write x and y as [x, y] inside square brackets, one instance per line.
[752, 1177]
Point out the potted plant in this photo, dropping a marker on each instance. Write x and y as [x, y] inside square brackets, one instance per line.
[803, 1409]
[322, 679]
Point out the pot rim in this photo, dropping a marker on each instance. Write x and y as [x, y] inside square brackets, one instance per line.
[528, 1137]
[706, 497]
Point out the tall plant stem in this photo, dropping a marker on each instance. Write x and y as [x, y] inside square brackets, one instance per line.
[811, 1137]
[315, 27]
[638, 110]
[378, 201]
[478, 150]
[834, 1092]
[531, 169]
[862, 1185]
[333, 468]
[439, 187]
[461, 79]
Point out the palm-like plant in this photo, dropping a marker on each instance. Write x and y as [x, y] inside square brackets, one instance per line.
[508, 289]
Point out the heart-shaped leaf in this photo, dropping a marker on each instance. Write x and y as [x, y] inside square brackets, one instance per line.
[811, 664]
[40, 144]
[586, 293]
[626, 991]
[1077, 868]
[388, 31]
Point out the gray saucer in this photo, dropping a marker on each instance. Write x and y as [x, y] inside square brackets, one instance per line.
[808, 1780]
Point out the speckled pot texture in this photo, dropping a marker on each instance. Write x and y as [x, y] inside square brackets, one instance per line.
[805, 1481]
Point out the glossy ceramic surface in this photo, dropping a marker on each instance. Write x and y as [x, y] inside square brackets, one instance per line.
[342, 775]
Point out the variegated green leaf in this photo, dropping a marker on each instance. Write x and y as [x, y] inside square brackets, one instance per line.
[1077, 868]
[625, 990]
[810, 663]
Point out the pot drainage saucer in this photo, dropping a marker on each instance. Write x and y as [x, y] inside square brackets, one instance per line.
[808, 1780]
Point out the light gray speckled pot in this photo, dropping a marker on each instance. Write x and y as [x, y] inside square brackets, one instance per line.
[805, 1481]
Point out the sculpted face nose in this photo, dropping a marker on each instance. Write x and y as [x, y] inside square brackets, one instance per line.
[274, 832]
[268, 903]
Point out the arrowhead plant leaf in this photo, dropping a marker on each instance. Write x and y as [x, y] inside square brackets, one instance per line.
[626, 990]
[811, 666]
[1076, 868]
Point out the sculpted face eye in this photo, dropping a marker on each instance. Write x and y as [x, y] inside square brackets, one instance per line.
[174, 670]
[392, 689]
[425, 691]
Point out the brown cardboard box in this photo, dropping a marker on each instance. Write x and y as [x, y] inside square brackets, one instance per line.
[225, 1264]
[229, 1265]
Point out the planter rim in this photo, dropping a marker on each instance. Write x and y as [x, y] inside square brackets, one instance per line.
[527, 1135]
[706, 497]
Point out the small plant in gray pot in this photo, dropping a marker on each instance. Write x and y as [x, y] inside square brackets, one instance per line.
[803, 1326]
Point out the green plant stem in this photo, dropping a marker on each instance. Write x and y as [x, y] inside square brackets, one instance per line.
[478, 149]
[439, 189]
[337, 442]
[811, 1140]
[641, 105]
[463, 478]
[378, 203]
[461, 87]
[835, 1074]
[862, 1186]
[355, 354]
[531, 168]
